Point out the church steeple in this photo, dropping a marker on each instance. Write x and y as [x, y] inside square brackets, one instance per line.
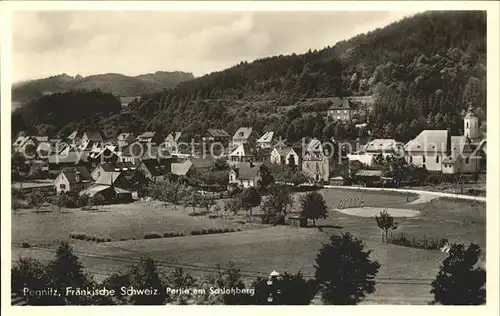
[471, 124]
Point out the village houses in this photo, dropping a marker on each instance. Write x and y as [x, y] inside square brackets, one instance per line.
[245, 174]
[286, 156]
[72, 180]
[171, 141]
[244, 135]
[341, 109]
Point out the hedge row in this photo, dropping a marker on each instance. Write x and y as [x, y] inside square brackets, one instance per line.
[88, 237]
[420, 243]
[214, 231]
[154, 235]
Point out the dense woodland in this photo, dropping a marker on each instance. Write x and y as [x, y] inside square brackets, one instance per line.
[423, 71]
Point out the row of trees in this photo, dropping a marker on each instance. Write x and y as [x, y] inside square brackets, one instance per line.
[344, 275]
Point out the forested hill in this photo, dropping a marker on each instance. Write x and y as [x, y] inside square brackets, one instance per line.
[423, 71]
[117, 84]
[431, 65]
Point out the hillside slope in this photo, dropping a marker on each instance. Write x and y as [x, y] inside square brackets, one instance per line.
[425, 66]
[423, 71]
[117, 84]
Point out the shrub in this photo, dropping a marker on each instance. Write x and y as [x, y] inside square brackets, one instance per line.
[108, 239]
[123, 239]
[88, 237]
[94, 238]
[26, 244]
[427, 243]
[152, 235]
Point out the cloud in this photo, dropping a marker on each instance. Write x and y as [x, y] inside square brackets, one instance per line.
[86, 42]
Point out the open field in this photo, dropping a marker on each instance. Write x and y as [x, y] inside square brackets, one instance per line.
[404, 276]
[113, 221]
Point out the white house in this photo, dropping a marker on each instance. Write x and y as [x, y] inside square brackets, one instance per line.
[266, 140]
[72, 179]
[285, 155]
[245, 175]
[244, 135]
[429, 149]
[171, 141]
[243, 153]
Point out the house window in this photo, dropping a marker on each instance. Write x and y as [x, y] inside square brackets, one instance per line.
[62, 186]
[338, 117]
[411, 159]
[423, 158]
[338, 111]
[437, 158]
[467, 125]
[467, 160]
[345, 111]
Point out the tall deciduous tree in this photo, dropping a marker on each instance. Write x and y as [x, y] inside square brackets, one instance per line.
[250, 198]
[460, 281]
[385, 222]
[313, 206]
[344, 270]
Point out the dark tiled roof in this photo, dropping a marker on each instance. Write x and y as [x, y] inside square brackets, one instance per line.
[70, 173]
[94, 135]
[245, 172]
[340, 104]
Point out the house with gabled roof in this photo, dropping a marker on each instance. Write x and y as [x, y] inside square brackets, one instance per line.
[124, 167]
[266, 140]
[384, 147]
[429, 149]
[243, 153]
[171, 141]
[341, 109]
[182, 168]
[112, 185]
[154, 170]
[154, 138]
[244, 135]
[92, 135]
[75, 137]
[246, 174]
[70, 158]
[316, 160]
[214, 139]
[285, 156]
[124, 139]
[72, 179]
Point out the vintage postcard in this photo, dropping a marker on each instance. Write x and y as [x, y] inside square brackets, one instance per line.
[249, 153]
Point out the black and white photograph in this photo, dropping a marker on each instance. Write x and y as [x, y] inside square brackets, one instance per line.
[237, 155]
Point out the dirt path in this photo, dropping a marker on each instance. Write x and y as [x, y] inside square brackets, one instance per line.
[424, 196]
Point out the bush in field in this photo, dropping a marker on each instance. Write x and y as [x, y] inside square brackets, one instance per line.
[152, 235]
[344, 271]
[37, 199]
[460, 281]
[83, 200]
[25, 244]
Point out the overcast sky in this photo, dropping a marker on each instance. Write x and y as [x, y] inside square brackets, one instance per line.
[48, 43]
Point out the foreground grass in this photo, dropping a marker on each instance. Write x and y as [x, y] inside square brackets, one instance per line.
[405, 273]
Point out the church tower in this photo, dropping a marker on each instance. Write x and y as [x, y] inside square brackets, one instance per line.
[471, 125]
